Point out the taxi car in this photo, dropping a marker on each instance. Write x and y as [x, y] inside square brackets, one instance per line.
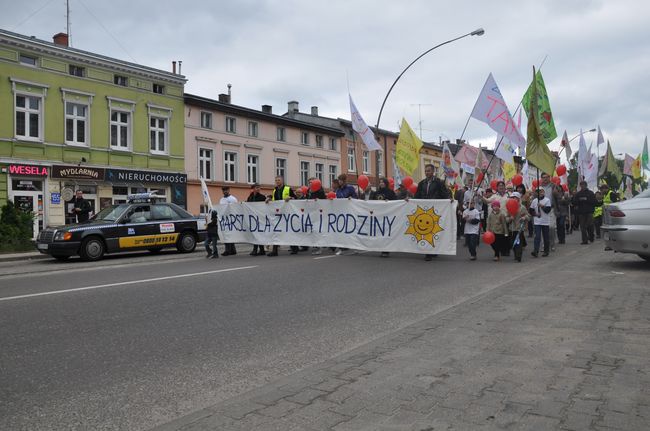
[143, 223]
[626, 226]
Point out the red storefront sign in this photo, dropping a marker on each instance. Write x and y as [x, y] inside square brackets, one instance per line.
[28, 170]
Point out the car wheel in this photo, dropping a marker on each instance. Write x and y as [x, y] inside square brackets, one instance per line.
[155, 250]
[60, 257]
[186, 243]
[92, 249]
[645, 256]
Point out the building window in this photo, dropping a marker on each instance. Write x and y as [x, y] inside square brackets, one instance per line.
[158, 135]
[351, 161]
[304, 138]
[333, 173]
[77, 71]
[320, 168]
[380, 163]
[76, 123]
[205, 164]
[281, 168]
[206, 120]
[333, 144]
[319, 141]
[28, 60]
[120, 130]
[29, 111]
[281, 134]
[252, 129]
[231, 125]
[366, 162]
[252, 168]
[120, 80]
[230, 167]
[158, 89]
[304, 173]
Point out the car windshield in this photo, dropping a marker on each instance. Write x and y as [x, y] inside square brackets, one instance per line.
[644, 194]
[111, 213]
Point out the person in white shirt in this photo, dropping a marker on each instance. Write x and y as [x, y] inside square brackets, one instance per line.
[472, 218]
[540, 209]
[228, 199]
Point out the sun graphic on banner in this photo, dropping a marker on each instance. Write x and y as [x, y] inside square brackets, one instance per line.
[424, 225]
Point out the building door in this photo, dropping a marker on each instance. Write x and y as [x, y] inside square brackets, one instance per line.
[27, 196]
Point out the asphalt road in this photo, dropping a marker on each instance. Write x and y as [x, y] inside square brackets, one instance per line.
[135, 341]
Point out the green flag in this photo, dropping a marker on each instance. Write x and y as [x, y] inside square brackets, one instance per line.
[610, 165]
[537, 151]
[644, 155]
[544, 116]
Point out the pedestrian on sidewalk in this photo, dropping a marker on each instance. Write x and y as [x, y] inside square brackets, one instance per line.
[517, 227]
[496, 223]
[472, 218]
[212, 236]
[226, 200]
[585, 202]
[540, 209]
[81, 207]
[256, 196]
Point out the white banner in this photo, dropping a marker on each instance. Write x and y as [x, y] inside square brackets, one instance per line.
[414, 226]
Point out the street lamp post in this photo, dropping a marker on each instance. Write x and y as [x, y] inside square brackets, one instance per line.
[477, 32]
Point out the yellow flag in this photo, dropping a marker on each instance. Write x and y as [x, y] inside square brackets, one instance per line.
[636, 168]
[509, 171]
[407, 153]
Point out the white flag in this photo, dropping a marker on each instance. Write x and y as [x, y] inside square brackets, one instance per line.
[567, 146]
[206, 195]
[591, 172]
[600, 139]
[505, 151]
[491, 109]
[360, 126]
[583, 156]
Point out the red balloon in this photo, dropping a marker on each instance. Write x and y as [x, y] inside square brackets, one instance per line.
[556, 180]
[535, 184]
[413, 188]
[363, 181]
[493, 184]
[391, 182]
[407, 181]
[488, 237]
[512, 205]
[315, 185]
[479, 177]
[331, 195]
[565, 187]
[304, 190]
[517, 180]
[561, 170]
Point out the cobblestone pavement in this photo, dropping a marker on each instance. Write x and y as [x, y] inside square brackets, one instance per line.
[565, 346]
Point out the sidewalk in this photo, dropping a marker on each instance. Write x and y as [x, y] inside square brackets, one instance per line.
[25, 255]
[563, 344]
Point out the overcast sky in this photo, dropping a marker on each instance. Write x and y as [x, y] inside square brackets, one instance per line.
[597, 71]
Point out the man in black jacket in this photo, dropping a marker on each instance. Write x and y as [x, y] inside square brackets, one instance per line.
[431, 188]
[256, 196]
[81, 207]
[585, 202]
[212, 236]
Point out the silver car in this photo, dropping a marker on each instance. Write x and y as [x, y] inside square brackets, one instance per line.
[626, 225]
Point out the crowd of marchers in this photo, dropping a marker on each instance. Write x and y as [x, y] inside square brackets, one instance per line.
[505, 216]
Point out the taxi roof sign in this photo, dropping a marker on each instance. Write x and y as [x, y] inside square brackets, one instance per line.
[144, 197]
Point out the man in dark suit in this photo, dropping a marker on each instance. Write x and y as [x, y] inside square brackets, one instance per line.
[431, 188]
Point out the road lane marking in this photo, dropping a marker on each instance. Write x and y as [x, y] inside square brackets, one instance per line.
[124, 283]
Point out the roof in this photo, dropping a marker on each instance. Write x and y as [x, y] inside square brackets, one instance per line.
[31, 42]
[204, 102]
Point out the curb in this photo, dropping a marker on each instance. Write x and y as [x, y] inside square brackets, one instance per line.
[12, 257]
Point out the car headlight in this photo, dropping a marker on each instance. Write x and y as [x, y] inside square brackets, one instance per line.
[62, 236]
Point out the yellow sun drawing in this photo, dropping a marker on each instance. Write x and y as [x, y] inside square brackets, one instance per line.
[423, 225]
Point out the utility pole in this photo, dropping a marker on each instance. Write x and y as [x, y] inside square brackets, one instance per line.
[420, 105]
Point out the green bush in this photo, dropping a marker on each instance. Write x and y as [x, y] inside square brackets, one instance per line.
[15, 229]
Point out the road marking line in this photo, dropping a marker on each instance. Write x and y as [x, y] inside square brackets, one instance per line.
[124, 283]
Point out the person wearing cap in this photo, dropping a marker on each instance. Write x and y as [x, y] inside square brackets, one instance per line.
[225, 200]
[540, 209]
[256, 196]
[517, 226]
[212, 236]
[496, 223]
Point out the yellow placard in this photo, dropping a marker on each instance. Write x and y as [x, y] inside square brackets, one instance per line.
[148, 240]
[509, 171]
[407, 152]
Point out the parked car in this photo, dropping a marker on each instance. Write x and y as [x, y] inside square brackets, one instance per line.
[144, 223]
[626, 225]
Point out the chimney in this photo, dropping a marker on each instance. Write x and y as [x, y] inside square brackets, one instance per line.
[267, 109]
[224, 98]
[314, 111]
[60, 39]
[174, 67]
[293, 106]
[180, 63]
